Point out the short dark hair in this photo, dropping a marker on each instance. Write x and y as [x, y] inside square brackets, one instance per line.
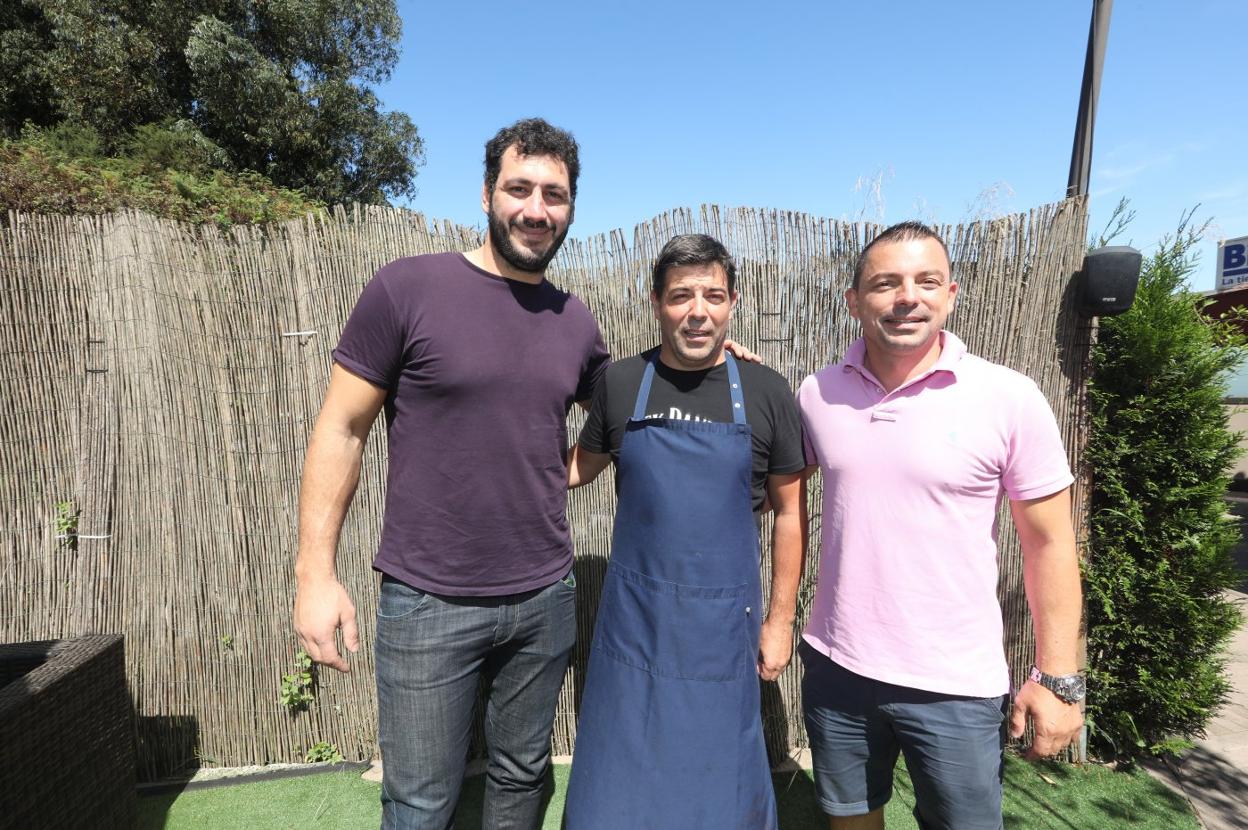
[901, 232]
[532, 137]
[691, 249]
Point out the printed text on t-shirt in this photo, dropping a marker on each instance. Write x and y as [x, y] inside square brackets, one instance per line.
[675, 414]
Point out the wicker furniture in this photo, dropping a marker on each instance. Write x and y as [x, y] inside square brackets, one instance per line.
[66, 735]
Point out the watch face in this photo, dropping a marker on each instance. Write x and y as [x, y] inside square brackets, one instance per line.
[1072, 688]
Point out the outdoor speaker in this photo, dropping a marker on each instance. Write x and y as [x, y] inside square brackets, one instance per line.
[1108, 280]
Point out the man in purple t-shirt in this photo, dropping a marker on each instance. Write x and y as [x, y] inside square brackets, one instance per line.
[476, 360]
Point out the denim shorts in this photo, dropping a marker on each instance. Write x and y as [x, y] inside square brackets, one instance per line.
[857, 727]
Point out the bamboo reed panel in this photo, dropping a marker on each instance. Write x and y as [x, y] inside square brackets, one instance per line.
[163, 379]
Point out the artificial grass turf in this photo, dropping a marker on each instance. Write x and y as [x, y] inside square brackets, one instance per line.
[1041, 796]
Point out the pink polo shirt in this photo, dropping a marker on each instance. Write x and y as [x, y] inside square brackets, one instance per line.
[907, 587]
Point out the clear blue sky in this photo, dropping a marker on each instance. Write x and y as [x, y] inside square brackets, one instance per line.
[956, 110]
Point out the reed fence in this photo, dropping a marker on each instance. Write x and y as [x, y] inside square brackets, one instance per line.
[162, 380]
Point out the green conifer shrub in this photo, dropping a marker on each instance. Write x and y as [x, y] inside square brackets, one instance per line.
[1160, 538]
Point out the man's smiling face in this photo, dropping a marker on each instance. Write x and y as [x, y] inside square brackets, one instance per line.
[530, 210]
[903, 296]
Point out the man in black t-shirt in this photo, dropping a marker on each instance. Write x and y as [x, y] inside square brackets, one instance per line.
[701, 395]
[693, 295]
[700, 443]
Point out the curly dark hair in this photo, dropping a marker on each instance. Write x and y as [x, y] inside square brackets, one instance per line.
[532, 137]
[691, 249]
[901, 232]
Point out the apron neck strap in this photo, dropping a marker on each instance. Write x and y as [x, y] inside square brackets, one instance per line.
[643, 393]
[734, 382]
[738, 397]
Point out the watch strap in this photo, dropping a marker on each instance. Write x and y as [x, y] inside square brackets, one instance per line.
[1068, 687]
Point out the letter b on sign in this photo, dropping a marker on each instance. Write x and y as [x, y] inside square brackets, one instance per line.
[1234, 256]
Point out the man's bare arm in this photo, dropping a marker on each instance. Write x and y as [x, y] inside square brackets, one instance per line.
[1051, 579]
[787, 495]
[331, 472]
[584, 466]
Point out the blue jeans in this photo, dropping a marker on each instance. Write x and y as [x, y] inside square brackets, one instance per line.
[431, 651]
[857, 726]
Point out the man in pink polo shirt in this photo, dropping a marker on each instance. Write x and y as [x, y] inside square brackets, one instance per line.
[916, 440]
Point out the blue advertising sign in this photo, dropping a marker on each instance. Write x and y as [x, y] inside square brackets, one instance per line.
[1232, 264]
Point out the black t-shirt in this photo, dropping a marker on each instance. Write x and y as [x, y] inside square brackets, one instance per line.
[702, 395]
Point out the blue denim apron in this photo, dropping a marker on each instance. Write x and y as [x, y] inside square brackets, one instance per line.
[670, 734]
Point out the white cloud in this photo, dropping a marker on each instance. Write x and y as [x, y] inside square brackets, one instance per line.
[1234, 190]
[1105, 191]
[1126, 173]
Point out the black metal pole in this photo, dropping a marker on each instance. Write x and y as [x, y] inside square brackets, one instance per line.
[1085, 124]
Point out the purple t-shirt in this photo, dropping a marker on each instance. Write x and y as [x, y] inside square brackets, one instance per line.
[481, 372]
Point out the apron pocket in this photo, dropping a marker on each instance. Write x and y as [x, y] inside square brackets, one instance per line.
[690, 632]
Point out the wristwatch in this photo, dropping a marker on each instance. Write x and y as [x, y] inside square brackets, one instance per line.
[1068, 687]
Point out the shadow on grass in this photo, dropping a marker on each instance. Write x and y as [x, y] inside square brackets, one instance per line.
[172, 741]
[154, 810]
[796, 803]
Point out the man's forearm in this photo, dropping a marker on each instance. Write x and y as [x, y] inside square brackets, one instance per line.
[1051, 578]
[788, 551]
[584, 466]
[331, 472]
[788, 543]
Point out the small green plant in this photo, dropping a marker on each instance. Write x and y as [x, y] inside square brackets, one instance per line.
[227, 642]
[297, 692]
[323, 751]
[66, 524]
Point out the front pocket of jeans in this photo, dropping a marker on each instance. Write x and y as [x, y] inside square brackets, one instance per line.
[690, 632]
[398, 600]
[995, 707]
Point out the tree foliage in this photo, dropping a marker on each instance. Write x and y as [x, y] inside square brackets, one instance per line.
[282, 88]
[164, 172]
[1160, 546]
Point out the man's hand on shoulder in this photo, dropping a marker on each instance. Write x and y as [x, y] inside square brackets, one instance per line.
[741, 352]
[775, 649]
[321, 608]
[1056, 722]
